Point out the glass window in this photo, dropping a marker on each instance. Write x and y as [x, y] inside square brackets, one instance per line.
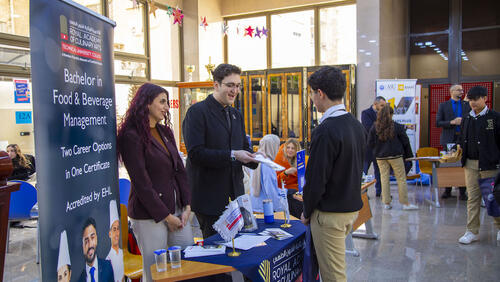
[429, 15]
[292, 39]
[249, 53]
[14, 18]
[129, 30]
[164, 38]
[275, 93]
[124, 93]
[130, 68]
[15, 56]
[294, 105]
[429, 56]
[478, 50]
[256, 106]
[478, 13]
[338, 35]
[94, 5]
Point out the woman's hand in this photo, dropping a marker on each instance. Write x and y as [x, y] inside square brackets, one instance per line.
[173, 222]
[185, 215]
[291, 170]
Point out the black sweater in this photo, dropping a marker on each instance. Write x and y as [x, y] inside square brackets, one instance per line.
[398, 146]
[335, 166]
[20, 172]
[488, 136]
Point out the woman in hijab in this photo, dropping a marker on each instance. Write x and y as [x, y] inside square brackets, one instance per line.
[264, 183]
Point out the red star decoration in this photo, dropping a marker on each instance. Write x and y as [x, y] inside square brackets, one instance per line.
[178, 16]
[204, 22]
[249, 31]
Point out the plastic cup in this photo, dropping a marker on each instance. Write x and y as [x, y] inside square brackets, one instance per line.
[174, 254]
[161, 260]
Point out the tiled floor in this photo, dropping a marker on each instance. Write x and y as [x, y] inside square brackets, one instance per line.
[412, 246]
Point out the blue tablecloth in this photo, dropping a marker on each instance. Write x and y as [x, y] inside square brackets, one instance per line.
[280, 260]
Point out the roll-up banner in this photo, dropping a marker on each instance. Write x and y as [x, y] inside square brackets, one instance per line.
[75, 142]
[403, 98]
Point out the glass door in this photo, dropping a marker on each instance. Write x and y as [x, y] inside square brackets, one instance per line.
[257, 106]
[293, 94]
[274, 104]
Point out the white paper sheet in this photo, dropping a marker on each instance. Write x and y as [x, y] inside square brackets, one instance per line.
[246, 242]
[273, 165]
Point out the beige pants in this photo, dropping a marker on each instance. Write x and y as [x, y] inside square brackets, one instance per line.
[329, 230]
[472, 176]
[398, 166]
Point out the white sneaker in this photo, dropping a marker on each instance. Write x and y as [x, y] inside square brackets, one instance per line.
[388, 207]
[468, 238]
[410, 207]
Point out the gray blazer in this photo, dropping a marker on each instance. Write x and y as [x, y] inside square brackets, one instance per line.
[444, 116]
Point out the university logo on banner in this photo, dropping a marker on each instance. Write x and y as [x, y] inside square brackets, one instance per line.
[75, 142]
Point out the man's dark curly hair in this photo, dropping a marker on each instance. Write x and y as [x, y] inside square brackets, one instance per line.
[224, 70]
[477, 92]
[330, 80]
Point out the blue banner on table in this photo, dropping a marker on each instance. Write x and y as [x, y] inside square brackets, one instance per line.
[75, 141]
[301, 169]
[278, 260]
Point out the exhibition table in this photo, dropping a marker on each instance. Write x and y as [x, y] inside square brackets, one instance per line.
[277, 260]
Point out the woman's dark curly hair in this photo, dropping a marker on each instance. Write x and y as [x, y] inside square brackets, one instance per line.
[137, 114]
[384, 125]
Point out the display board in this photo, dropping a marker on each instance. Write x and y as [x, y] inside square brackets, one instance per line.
[75, 142]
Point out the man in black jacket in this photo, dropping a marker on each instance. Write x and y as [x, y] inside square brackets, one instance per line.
[449, 117]
[480, 158]
[214, 133]
[332, 194]
[368, 118]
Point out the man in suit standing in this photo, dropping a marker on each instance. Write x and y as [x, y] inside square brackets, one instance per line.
[368, 118]
[214, 133]
[96, 269]
[449, 117]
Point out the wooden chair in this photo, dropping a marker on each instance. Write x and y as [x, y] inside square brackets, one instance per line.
[426, 166]
[132, 263]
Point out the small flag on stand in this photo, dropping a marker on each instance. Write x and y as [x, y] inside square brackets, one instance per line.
[230, 222]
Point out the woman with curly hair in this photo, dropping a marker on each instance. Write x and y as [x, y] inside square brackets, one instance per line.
[24, 164]
[160, 198]
[391, 146]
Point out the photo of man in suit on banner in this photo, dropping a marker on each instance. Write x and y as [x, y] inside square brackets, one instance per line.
[96, 269]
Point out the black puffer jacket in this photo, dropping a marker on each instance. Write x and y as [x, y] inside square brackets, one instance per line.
[399, 146]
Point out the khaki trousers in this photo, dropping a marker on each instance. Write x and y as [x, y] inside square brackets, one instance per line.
[329, 230]
[398, 166]
[472, 176]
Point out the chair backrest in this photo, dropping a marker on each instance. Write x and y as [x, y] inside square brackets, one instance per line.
[124, 226]
[124, 190]
[22, 201]
[426, 166]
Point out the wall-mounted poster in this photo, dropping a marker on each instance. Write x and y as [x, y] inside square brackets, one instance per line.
[22, 93]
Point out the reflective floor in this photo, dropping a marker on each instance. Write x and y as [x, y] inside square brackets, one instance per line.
[412, 246]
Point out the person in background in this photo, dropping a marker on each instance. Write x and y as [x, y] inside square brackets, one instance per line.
[160, 198]
[24, 164]
[449, 117]
[391, 146]
[332, 193]
[217, 146]
[368, 118]
[263, 182]
[287, 157]
[480, 141]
